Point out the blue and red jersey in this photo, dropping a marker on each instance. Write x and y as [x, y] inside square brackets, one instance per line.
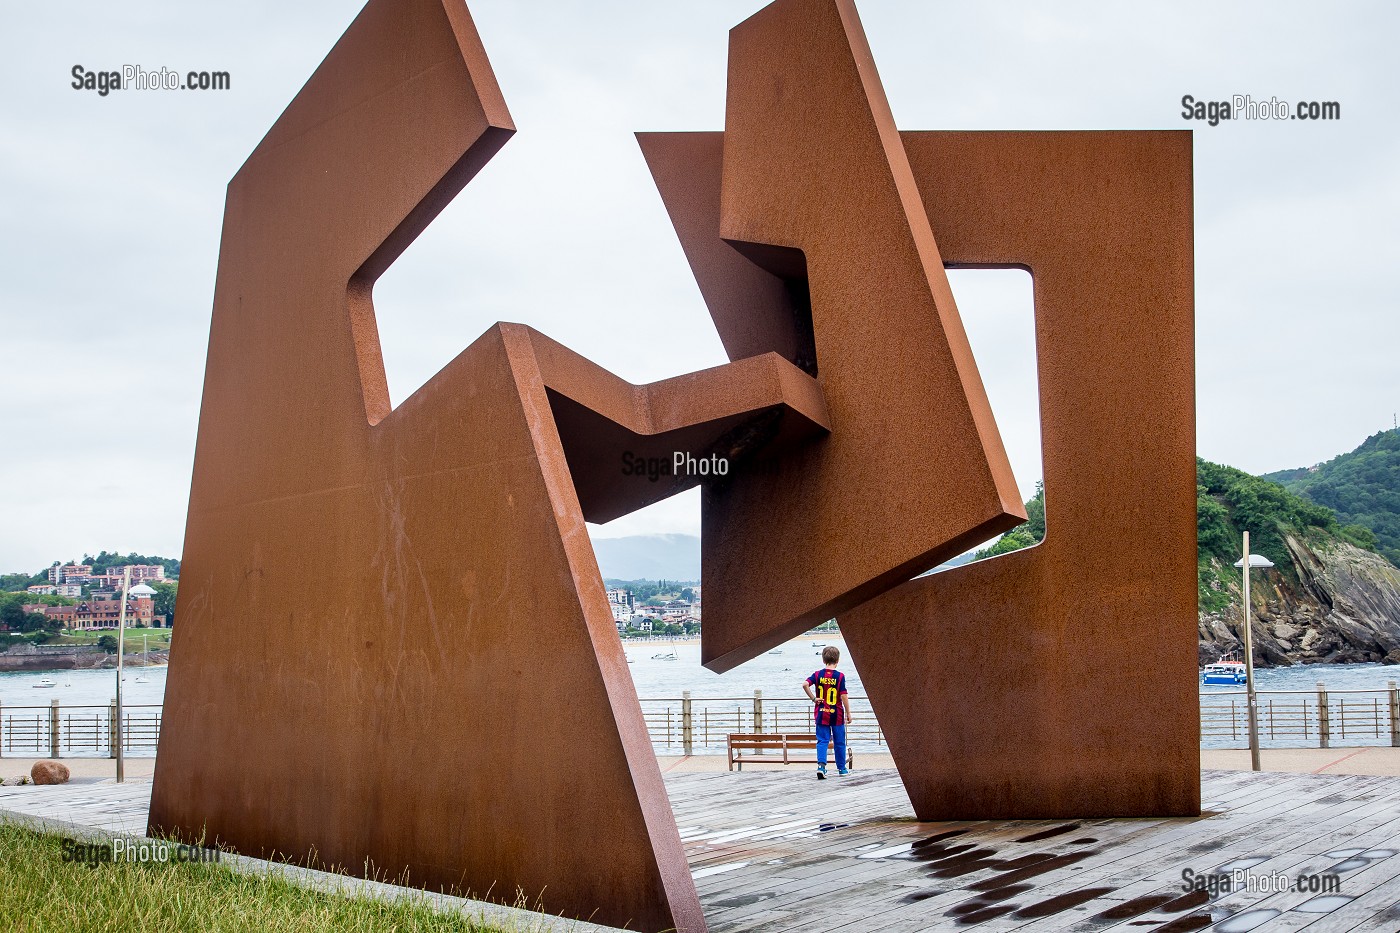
[830, 686]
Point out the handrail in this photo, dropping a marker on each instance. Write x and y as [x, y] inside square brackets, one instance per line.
[1289, 718]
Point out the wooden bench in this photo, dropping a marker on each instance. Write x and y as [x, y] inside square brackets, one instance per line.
[779, 748]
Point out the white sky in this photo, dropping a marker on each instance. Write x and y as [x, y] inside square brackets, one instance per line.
[110, 211]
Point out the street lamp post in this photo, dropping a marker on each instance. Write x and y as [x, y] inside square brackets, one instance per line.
[121, 644]
[1248, 562]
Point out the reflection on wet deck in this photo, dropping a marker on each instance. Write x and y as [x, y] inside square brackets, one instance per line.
[779, 851]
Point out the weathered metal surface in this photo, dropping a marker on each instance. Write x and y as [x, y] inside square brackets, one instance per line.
[1083, 655]
[447, 540]
[1079, 653]
[804, 227]
[394, 574]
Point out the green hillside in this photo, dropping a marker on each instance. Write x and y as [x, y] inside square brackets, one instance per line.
[1228, 501]
[1361, 487]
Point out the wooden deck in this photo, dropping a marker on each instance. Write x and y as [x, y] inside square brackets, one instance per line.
[780, 851]
[787, 852]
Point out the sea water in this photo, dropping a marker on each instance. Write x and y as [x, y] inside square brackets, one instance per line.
[779, 675]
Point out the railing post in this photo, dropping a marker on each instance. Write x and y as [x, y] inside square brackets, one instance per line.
[687, 723]
[1394, 715]
[758, 711]
[53, 728]
[2, 730]
[112, 727]
[1324, 717]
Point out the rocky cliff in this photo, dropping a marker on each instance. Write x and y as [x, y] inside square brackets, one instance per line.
[1331, 602]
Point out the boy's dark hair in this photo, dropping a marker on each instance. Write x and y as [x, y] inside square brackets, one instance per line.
[831, 654]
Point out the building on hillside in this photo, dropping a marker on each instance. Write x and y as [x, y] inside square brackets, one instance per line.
[73, 590]
[70, 573]
[103, 613]
[140, 573]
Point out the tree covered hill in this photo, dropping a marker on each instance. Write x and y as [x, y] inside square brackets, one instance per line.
[1331, 596]
[101, 563]
[1362, 487]
[1228, 501]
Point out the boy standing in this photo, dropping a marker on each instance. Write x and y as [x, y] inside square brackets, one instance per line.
[833, 709]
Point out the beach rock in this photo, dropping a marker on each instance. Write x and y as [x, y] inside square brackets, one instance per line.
[49, 772]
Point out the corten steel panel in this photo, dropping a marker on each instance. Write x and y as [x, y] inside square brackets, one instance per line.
[394, 642]
[830, 261]
[1060, 681]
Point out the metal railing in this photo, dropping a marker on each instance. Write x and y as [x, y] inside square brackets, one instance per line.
[688, 724]
[1294, 718]
[56, 731]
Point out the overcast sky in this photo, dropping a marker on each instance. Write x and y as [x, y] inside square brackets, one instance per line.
[110, 211]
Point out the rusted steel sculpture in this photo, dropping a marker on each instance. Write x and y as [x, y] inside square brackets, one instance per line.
[1060, 680]
[401, 717]
[808, 200]
[1055, 682]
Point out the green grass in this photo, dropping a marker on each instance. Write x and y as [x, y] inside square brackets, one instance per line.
[40, 893]
[157, 638]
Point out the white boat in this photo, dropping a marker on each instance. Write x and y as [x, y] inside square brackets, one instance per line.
[776, 651]
[44, 682]
[665, 657]
[1223, 673]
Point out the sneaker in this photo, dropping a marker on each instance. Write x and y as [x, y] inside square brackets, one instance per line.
[821, 774]
[843, 773]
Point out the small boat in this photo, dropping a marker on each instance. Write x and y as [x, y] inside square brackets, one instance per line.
[631, 660]
[665, 657]
[44, 682]
[1223, 673]
[776, 651]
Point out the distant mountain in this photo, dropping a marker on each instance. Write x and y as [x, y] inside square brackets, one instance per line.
[1362, 487]
[649, 557]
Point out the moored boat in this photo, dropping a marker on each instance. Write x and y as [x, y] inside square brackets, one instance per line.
[1223, 673]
